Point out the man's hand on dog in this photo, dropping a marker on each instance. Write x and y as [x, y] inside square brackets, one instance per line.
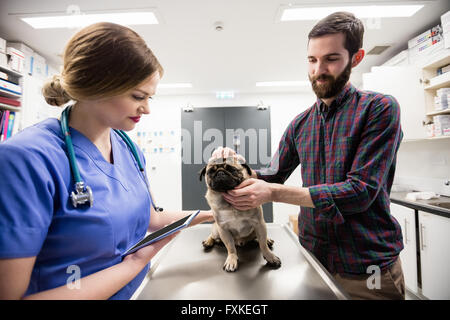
[249, 194]
[221, 153]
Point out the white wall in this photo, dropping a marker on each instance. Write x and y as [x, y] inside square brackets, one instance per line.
[165, 168]
[424, 165]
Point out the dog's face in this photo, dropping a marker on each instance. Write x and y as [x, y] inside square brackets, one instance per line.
[224, 174]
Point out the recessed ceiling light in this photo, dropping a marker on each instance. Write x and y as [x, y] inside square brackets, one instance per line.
[174, 85]
[369, 10]
[38, 21]
[283, 84]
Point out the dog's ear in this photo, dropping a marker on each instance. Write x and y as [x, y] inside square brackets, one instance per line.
[202, 173]
[249, 170]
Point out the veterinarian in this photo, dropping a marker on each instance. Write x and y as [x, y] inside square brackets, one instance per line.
[346, 144]
[53, 230]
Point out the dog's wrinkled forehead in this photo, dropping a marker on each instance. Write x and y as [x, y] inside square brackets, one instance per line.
[229, 160]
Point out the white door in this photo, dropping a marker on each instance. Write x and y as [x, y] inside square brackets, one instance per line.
[406, 218]
[434, 232]
[404, 84]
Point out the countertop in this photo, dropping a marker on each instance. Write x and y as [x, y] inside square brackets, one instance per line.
[185, 271]
[423, 205]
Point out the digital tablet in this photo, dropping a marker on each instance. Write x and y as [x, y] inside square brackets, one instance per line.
[162, 233]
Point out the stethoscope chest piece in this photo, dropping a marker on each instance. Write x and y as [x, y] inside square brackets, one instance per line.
[81, 195]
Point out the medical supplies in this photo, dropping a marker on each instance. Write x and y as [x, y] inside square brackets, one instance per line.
[441, 99]
[16, 59]
[441, 125]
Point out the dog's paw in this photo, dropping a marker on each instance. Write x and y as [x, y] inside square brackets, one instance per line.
[208, 243]
[231, 264]
[273, 261]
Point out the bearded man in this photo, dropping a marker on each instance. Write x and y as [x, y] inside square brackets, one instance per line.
[346, 144]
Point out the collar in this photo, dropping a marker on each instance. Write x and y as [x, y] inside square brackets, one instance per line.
[340, 99]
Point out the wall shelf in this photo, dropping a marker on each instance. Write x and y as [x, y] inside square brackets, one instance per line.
[440, 81]
[8, 94]
[8, 70]
[438, 112]
[8, 107]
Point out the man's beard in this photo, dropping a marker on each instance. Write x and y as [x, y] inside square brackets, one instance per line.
[333, 86]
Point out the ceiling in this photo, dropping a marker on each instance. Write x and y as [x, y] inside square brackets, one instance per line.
[252, 46]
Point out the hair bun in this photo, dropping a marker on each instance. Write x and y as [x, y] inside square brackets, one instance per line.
[54, 92]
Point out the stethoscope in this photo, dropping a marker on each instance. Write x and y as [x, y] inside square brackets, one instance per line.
[83, 193]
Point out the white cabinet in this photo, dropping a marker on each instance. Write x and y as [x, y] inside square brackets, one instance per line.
[434, 234]
[404, 83]
[406, 218]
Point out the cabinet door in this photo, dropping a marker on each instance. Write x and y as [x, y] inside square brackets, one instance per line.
[434, 232]
[404, 84]
[406, 218]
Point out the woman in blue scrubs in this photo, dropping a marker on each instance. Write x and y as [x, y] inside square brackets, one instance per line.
[46, 243]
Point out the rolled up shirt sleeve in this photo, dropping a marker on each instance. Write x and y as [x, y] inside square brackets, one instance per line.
[375, 156]
[284, 161]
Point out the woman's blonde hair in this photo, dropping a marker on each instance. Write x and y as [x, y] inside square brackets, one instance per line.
[101, 60]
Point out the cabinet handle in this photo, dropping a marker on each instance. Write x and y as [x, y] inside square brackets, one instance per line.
[424, 81]
[406, 231]
[422, 229]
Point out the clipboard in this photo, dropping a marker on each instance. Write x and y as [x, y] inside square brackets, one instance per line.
[162, 233]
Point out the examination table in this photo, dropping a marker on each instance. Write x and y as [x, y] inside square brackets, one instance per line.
[184, 270]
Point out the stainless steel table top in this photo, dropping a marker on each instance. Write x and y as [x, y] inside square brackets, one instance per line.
[185, 271]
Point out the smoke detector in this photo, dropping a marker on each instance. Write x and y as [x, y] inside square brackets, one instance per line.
[218, 26]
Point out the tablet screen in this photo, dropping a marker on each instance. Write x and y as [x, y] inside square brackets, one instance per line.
[162, 231]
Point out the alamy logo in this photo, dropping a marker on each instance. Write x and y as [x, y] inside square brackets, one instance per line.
[374, 280]
[73, 281]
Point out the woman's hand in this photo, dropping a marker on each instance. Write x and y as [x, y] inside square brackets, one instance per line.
[145, 254]
[250, 194]
[203, 216]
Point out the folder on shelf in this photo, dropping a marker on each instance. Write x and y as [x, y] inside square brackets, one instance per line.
[12, 116]
[4, 127]
[10, 102]
[10, 87]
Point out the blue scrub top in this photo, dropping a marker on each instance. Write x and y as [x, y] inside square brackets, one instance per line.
[37, 217]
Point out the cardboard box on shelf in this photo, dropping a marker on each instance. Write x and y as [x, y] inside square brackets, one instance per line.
[446, 36]
[424, 52]
[445, 22]
[425, 36]
[2, 45]
[441, 124]
[430, 130]
[27, 52]
[3, 60]
[16, 59]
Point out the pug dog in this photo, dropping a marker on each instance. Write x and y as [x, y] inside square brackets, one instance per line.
[231, 226]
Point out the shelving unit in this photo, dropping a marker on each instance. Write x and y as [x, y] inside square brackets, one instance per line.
[8, 107]
[433, 82]
[17, 78]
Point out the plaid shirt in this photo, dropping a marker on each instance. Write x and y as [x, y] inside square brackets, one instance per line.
[347, 156]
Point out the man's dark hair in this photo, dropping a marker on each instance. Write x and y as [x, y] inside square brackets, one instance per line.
[341, 22]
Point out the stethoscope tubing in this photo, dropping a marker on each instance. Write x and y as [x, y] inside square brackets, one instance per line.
[73, 163]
